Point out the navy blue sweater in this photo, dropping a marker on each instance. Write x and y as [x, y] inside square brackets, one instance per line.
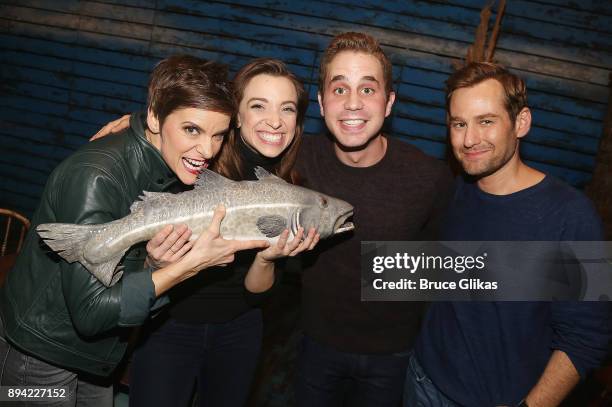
[492, 353]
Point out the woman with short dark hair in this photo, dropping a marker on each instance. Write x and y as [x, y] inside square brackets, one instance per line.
[61, 327]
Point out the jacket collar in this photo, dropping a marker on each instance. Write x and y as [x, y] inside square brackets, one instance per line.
[150, 163]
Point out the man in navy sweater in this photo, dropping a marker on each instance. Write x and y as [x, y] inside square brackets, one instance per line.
[513, 353]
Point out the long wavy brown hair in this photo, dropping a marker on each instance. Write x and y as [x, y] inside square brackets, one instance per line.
[229, 162]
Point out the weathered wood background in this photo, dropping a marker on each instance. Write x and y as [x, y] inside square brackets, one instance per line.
[70, 66]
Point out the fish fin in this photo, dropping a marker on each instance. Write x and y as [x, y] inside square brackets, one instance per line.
[145, 197]
[271, 225]
[210, 179]
[108, 273]
[136, 206]
[68, 241]
[264, 175]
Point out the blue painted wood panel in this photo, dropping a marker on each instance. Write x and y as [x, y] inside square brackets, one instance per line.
[69, 66]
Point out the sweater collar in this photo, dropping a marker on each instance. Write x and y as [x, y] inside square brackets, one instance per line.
[251, 159]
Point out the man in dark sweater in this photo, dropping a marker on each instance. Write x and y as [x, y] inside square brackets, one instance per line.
[356, 353]
[495, 353]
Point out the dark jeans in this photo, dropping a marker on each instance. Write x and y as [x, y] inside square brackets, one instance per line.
[219, 358]
[419, 390]
[18, 369]
[328, 377]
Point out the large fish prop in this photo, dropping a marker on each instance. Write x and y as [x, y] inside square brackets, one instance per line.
[254, 210]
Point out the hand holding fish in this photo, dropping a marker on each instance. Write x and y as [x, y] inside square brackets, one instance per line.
[208, 250]
[168, 245]
[211, 249]
[260, 276]
[283, 248]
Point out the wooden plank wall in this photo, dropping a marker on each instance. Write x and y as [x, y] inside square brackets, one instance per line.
[70, 66]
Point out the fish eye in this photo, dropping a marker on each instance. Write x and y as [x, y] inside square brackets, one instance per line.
[323, 202]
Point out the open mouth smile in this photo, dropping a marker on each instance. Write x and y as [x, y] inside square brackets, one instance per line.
[352, 124]
[194, 166]
[270, 138]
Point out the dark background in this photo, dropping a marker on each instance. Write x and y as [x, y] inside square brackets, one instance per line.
[70, 66]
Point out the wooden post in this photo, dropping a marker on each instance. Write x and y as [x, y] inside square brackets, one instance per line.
[495, 33]
[477, 52]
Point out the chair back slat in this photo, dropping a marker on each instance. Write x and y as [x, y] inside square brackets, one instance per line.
[13, 236]
[6, 236]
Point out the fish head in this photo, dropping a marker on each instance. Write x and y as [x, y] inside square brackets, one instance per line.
[327, 214]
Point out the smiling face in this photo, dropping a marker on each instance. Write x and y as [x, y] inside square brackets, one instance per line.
[188, 139]
[353, 101]
[483, 137]
[267, 114]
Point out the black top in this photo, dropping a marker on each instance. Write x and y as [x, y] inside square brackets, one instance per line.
[218, 294]
[398, 198]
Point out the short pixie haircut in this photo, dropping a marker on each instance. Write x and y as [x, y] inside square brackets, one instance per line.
[515, 91]
[183, 81]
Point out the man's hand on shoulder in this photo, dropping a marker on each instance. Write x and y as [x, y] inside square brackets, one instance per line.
[115, 126]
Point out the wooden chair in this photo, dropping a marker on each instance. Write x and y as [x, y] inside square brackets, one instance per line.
[13, 228]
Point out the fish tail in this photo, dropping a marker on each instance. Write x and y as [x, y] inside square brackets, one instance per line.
[69, 240]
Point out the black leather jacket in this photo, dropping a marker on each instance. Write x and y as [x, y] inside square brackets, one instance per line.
[59, 312]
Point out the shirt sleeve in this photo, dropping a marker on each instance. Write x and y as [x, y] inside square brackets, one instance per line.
[583, 330]
[256, 299]
[138, 298]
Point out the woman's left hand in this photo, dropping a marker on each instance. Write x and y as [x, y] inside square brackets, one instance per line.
[283, 248]
[168, 245]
